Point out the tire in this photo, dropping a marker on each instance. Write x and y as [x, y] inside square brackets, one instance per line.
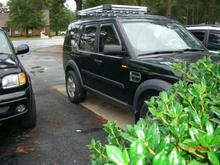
[144, 112]
[75, 91]
[29, 119]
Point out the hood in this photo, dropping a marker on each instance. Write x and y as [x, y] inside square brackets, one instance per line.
[160, 64]
[7, 61]
[174, 58]
[8, 65]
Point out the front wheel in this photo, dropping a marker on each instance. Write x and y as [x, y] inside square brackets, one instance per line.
[75, 91]
[29, 119]
[144, 111]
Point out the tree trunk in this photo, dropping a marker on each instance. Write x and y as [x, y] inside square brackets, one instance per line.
[78, 5]
[211, 10]
[139, 2]
[26, 32]
[169, 6]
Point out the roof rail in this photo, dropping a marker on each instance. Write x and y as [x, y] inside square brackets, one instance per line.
[112, 10]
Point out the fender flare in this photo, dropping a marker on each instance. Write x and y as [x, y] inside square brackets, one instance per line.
[152, 84]
[71, 64]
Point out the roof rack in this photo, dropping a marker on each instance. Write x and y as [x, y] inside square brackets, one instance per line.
[112, 10]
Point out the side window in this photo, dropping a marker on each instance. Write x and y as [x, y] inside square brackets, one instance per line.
[108, 36]
[214, 41]
[199, 34]
[88, 38]
[72, 35]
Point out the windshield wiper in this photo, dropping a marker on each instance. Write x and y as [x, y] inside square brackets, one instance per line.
[3, 53]
[192, 50]
[162, 52]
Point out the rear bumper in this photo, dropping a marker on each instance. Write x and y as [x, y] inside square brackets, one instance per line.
[10, 102]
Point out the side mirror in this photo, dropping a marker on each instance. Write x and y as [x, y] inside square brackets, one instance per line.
[22, 49]
[113, 49]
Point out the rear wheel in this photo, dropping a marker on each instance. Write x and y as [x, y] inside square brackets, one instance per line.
[75, 91]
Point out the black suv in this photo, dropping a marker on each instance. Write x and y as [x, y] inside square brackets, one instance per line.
[16, 95]
[125, 55]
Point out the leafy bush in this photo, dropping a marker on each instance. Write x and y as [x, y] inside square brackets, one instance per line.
[185, 128]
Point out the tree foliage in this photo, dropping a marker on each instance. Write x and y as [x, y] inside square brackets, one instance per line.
[60, 16]
[186, 11]
[25, 14]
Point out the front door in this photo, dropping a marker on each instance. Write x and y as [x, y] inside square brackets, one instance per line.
[111, 72]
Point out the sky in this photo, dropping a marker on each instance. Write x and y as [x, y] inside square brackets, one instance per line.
[69, 3]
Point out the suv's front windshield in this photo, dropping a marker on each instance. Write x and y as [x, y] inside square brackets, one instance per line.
[5, 47]
[149, 37]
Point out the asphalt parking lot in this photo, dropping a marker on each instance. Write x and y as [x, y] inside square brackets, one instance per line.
[63, 129]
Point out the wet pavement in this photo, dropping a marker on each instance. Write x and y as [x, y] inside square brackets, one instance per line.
[35, 44]
[63, 129]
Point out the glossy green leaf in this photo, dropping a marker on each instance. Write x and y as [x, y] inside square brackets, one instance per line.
[115, 154]
[125, 156]
[138, 160]
[209, 128]
[137, 148]
[195, 162]
[161, 159]
[213, 158]
[175, 158]
[153, 136]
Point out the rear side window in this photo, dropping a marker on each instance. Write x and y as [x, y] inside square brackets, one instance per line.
[199, 34]
[108, 36]
[88, 39]
[214, 41]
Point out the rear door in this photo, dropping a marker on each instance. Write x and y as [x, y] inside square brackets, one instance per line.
[87, 47]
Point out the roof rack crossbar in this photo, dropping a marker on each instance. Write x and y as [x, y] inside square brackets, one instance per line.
[112, 10]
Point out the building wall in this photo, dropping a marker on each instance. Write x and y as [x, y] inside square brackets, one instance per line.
[4, 17]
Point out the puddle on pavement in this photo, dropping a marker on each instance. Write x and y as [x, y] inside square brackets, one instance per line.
[37, 69]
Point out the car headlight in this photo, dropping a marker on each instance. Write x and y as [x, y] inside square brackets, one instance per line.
[13, 80]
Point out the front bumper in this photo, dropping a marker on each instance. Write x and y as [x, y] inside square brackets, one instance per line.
[10, 102]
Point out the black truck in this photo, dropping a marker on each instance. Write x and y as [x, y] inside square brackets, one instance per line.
[16, 95]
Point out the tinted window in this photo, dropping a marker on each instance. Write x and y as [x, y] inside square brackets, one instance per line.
[199, 35]
[74, 34]
[88, 38]
[214, 41]
[108, 36]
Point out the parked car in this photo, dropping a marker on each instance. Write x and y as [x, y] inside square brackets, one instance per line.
[125, 57]
[16, 94]
[62, 33]
[208, 35]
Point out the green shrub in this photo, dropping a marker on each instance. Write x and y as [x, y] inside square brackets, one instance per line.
[185, 128]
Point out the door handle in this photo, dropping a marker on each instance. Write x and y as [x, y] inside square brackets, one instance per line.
[98, 61]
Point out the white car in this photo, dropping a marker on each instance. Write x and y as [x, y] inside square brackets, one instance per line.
[62, 32]
[208, 35]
